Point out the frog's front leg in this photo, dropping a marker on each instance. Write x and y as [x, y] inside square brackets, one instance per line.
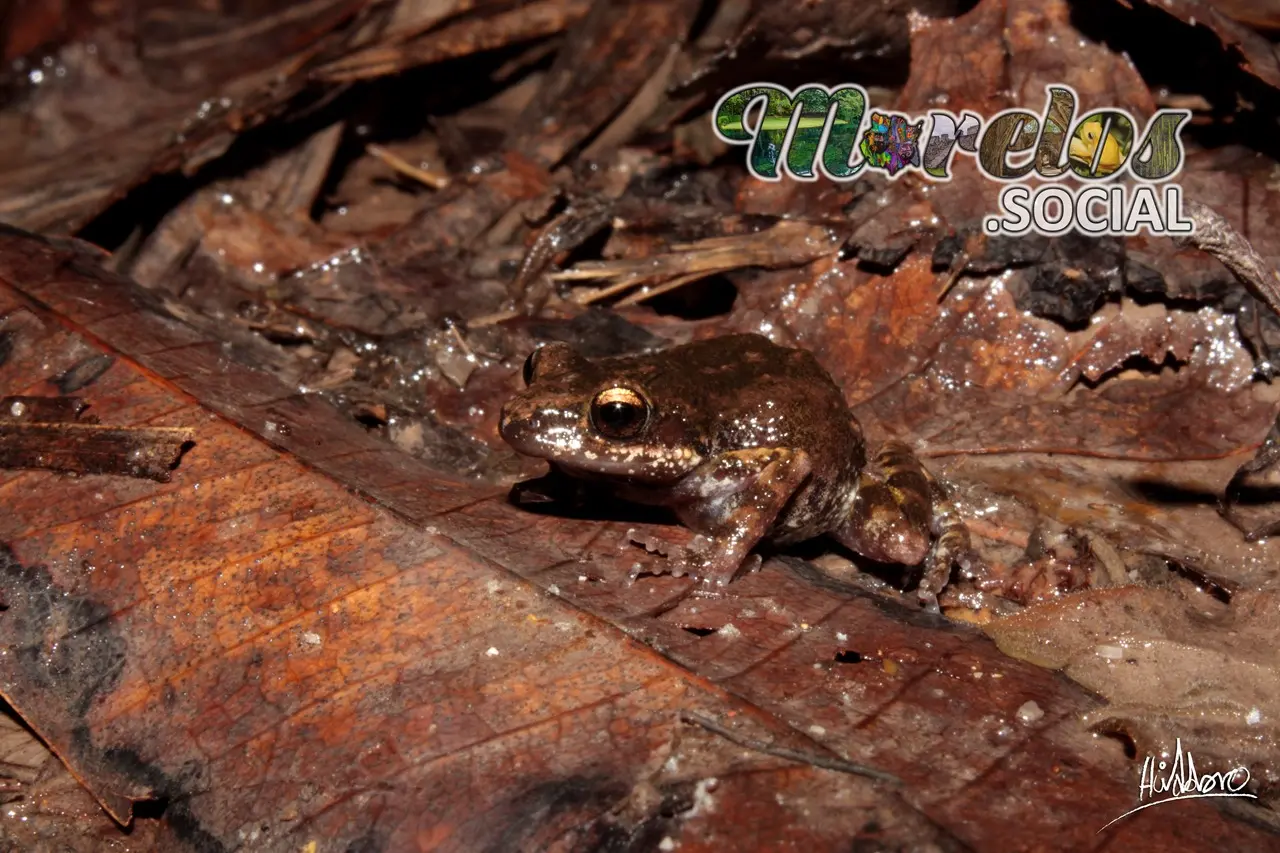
[733, 501]
[901, 516]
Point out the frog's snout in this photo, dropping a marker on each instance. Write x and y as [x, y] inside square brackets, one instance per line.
[516, 422]
[507, 421]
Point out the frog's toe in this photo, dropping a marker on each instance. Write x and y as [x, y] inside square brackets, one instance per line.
[928, 600]
[951, 549]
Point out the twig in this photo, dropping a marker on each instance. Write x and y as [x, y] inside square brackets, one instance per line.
[403, 166]
[492, 319]
[826, 763]
[1215, 236]
[586, 296]
[650, 292]
[958, 266]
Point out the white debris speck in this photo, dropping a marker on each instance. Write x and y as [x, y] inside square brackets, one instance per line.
[582, 578]
[493, 652]
[703, 802]
[729, 630]
[817, 731]
[553, 589]
[666, 843]
[1254, 716]
[311, 638]
[1029, 712]
[493, 586]
[842, 637]
[1110, 652]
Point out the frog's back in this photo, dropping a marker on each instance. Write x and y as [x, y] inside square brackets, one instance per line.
[751, 392]
[733, 363]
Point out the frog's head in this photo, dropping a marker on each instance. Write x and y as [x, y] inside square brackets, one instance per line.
[601, 419]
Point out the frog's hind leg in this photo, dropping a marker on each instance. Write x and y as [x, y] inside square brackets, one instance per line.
[952, 547]
[890, 518]
[901, 515]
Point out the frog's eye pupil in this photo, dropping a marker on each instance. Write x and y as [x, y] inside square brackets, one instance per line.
[618, 416]
[531, 366]
[619, 413]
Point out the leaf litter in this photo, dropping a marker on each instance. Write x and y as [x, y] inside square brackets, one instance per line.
[1089, 401]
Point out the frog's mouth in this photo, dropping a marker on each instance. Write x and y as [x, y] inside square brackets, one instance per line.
[563, 437]
[634, 464]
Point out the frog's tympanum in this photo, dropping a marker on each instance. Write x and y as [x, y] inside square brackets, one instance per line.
[744, 440]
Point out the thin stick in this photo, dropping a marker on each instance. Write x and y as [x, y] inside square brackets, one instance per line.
[1215, 236]
[826, 763]
[431, 179]
[583, 272]
[492, 319]
[461, 341]
[681, 281]
[585, 296]
[958, 266]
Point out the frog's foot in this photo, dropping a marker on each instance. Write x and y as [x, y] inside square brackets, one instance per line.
[697, 560]
[952, 547]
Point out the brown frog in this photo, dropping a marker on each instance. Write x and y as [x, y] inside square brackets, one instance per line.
[743, 440]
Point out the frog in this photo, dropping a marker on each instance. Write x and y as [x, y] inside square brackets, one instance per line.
[745, 441]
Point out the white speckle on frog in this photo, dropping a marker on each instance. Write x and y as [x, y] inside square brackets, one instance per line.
[666, 843]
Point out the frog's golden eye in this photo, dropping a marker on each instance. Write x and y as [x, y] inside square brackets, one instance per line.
[619, 413]
[531, 366]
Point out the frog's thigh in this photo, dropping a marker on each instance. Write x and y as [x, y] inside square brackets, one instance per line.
[891, 517]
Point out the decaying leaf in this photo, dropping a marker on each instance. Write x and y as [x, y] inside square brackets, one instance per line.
[1170, 667]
